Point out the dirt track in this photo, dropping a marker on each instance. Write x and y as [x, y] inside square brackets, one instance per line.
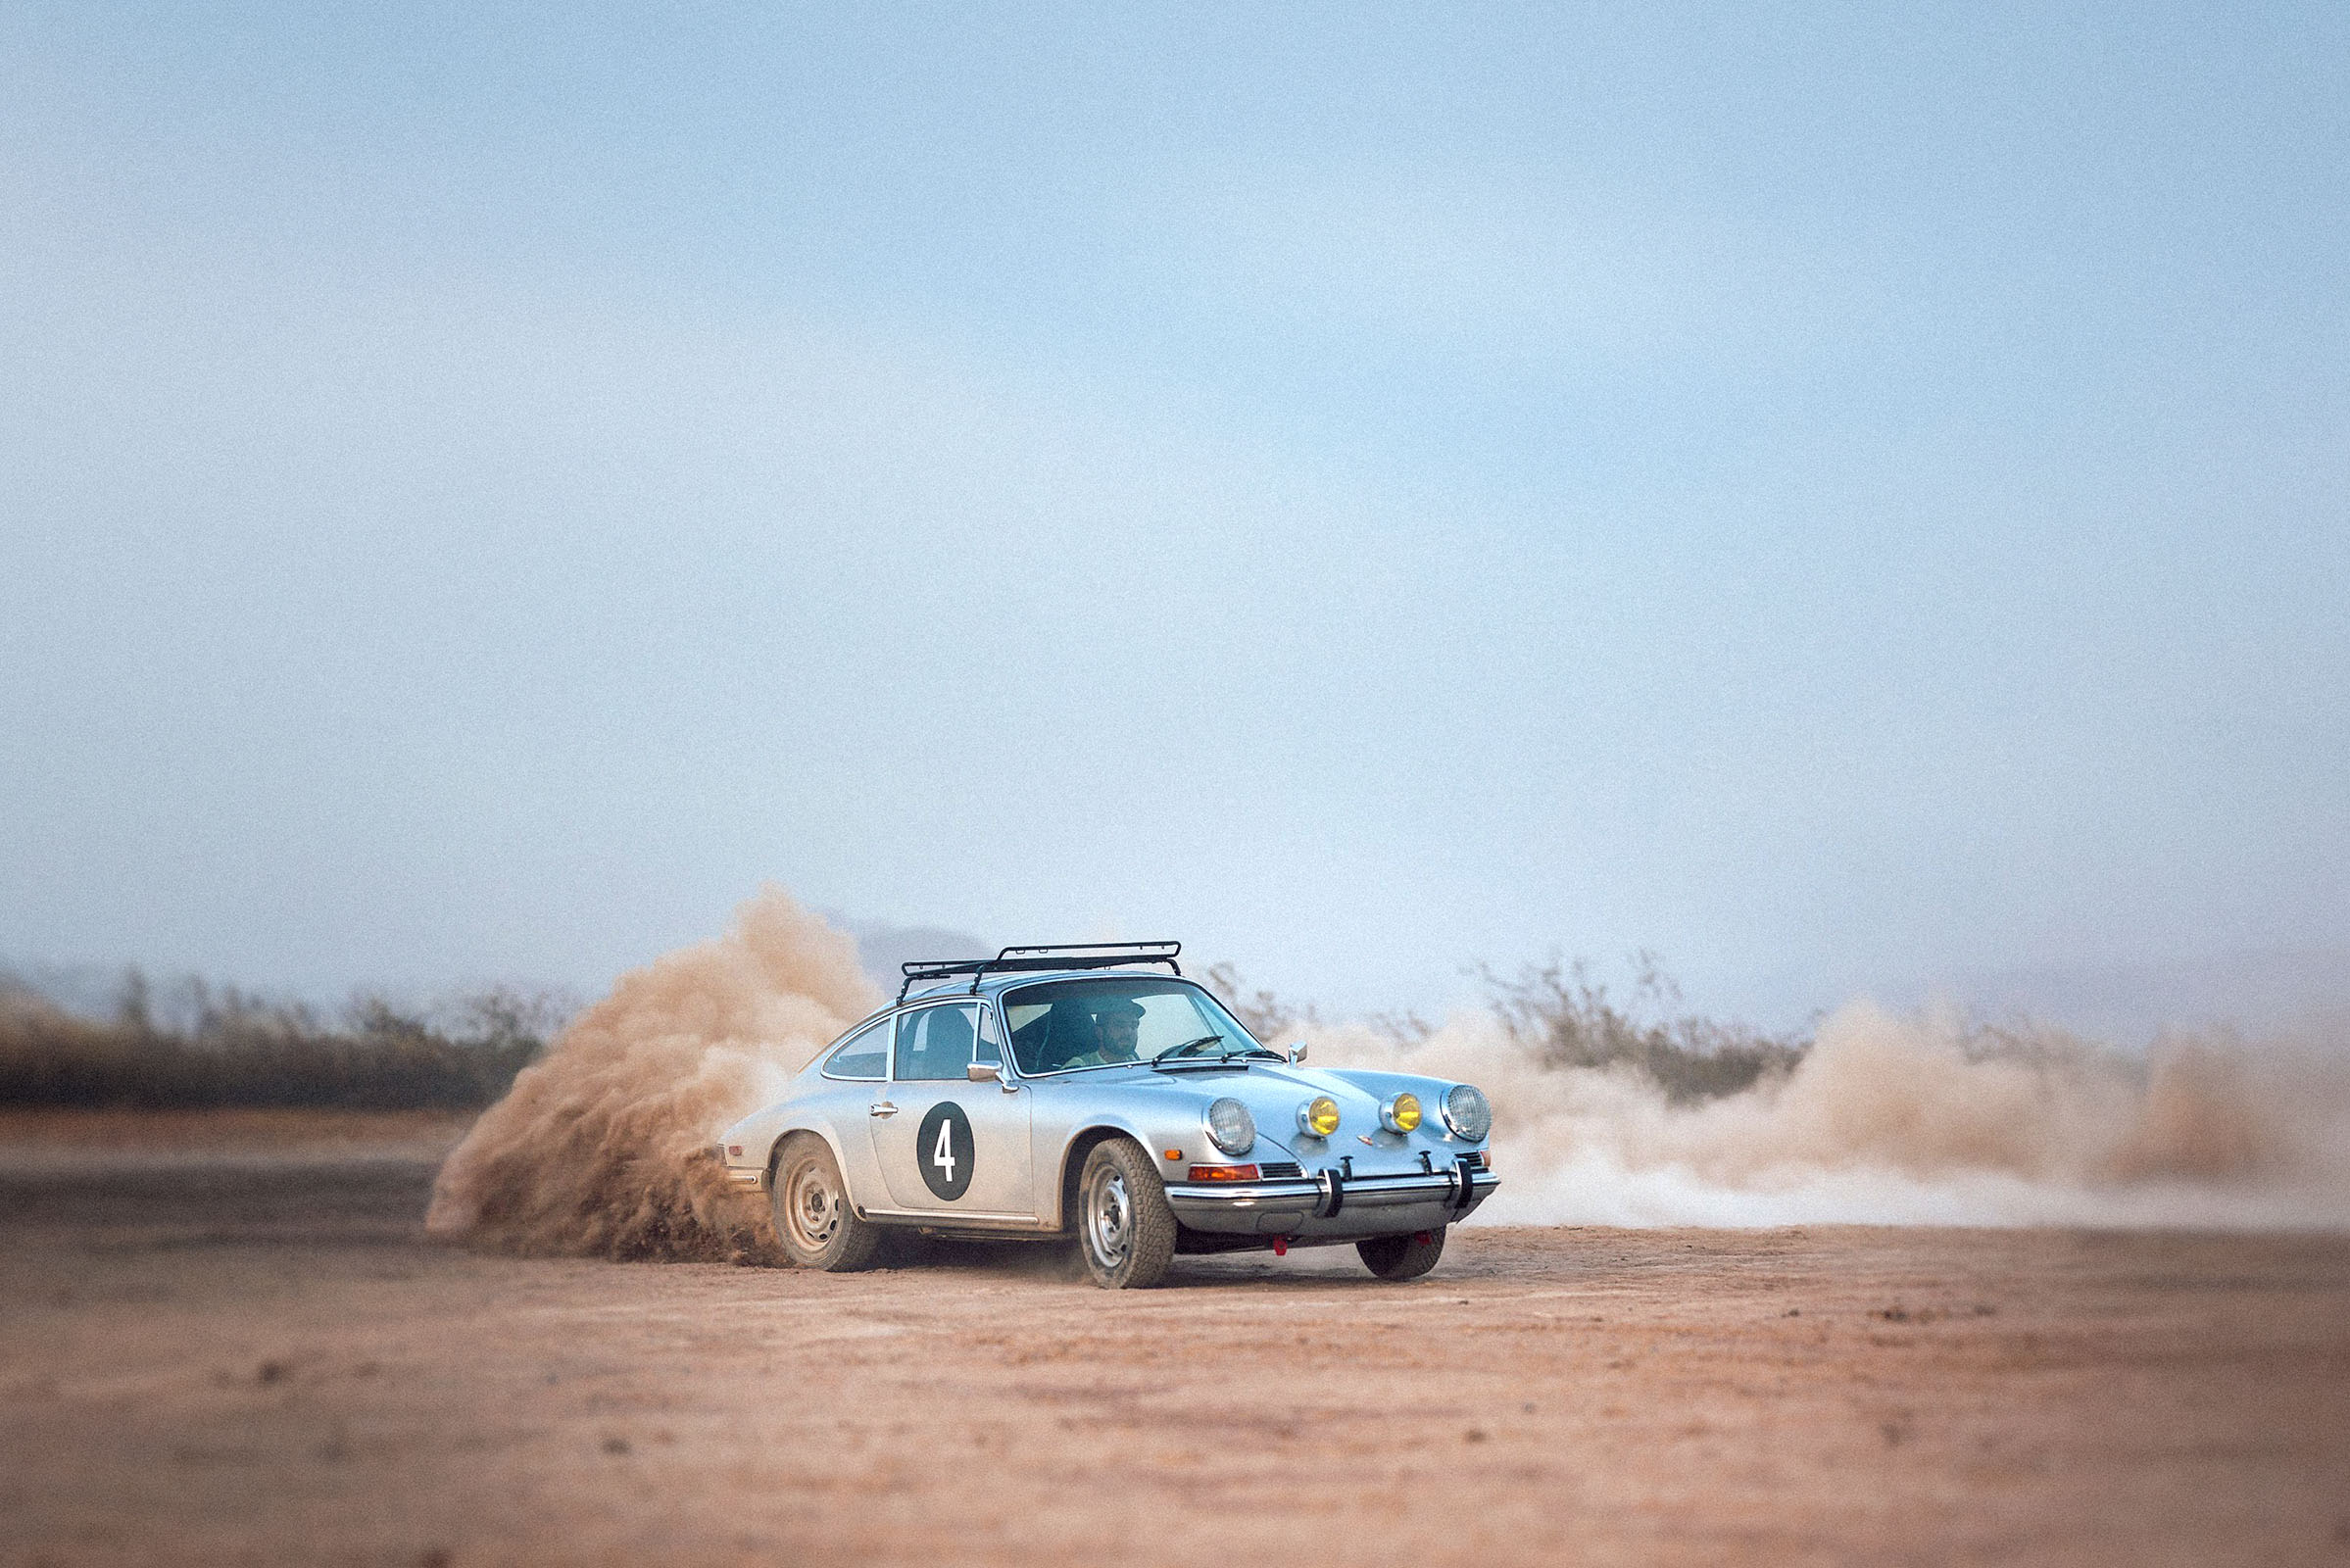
[252, 1354]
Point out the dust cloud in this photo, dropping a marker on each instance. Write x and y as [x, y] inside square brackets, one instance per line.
[603, 1146]
[1914, 1119]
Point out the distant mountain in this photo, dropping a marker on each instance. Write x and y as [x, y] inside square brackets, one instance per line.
[882, 947]
[2269, 991]
[92, 990]
[2265, 992]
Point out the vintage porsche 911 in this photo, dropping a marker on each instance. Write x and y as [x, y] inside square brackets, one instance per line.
[1075, 1093]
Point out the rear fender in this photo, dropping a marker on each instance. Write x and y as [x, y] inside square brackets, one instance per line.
[792, 1126]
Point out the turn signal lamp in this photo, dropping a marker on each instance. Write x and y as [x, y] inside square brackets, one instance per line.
[1318, 1116]
[1223, 1173]
[1399, 1114]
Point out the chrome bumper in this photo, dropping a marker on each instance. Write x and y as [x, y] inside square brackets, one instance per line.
[1332, 1204]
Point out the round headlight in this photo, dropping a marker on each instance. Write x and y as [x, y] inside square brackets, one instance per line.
[1318, 1117]
[1399, 1114]
[1467, 1114]
[1230, 1127]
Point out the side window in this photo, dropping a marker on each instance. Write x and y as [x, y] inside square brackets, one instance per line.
[935, 1043]
[990, 1038]
[863, 1054]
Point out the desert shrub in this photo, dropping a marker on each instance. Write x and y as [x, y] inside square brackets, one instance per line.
[230, 1049]
[1262, 1014]
[1566, 1019]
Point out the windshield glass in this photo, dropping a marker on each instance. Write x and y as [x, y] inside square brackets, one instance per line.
[1064, 1024]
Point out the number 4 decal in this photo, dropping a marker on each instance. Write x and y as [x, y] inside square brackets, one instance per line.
[943, 1152]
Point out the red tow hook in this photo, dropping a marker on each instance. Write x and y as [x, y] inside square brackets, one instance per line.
[1281, 1247]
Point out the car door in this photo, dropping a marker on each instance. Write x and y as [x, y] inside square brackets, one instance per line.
[944, 1143]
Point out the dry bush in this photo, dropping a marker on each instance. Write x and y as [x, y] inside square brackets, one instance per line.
[236, 1050]
[1262, 1014]
[1567, 1020]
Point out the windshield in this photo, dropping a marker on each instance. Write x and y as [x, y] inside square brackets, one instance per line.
[1063, 1024]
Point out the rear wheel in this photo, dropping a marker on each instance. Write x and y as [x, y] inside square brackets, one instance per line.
[1125, 1228]
[812, 1218]
[1402, 1258]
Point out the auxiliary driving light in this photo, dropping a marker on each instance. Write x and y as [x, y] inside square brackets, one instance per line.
[1318, 1117]
[1399, 1114]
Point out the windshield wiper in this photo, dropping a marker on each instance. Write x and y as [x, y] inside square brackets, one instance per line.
[1184, 1049]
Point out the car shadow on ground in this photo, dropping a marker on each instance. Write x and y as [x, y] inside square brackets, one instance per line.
[1310, 1267]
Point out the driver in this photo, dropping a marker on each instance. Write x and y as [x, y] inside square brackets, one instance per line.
[1116, 1023]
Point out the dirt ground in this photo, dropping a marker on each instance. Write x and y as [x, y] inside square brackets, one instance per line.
[237, 1346]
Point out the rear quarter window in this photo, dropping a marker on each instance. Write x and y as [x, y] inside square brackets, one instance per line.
[863, 1054]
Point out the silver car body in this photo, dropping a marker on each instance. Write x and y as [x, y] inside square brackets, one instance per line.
[1029, 1135]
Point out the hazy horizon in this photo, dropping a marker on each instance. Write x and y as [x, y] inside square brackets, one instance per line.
[2286, 994]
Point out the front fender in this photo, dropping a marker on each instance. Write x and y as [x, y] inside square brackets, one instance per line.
[1070, 1143]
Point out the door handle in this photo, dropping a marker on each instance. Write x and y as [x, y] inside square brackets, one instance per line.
[884, 1109]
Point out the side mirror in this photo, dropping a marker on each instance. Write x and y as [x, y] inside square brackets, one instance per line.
[1297, 1052]
[982, 1072]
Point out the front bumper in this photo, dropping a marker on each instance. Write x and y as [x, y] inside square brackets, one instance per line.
[1333, 1205]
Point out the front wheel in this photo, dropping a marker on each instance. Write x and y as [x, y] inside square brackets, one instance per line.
[1125, 1228]
[813, 1218]
[1401, 1258]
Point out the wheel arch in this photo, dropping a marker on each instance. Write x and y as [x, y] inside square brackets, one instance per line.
[793, 1127]
[1082, 1143]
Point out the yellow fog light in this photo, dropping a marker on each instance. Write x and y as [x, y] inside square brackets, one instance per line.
[1318, 1116]
[1399, 1114]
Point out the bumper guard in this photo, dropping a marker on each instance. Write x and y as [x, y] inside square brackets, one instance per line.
[1330, 1195]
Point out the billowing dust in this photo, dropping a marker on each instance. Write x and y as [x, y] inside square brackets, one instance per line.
[603, 1148]
[1904, 1119]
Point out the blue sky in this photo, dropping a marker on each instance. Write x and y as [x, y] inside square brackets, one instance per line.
[1839, 498]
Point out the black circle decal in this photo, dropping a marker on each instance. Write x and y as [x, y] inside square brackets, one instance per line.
[943, 1149]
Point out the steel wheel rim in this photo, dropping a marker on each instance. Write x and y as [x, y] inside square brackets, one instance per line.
[1109, 1219]
[809, 1207]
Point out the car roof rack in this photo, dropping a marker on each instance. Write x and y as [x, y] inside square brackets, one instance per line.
[1063, 955]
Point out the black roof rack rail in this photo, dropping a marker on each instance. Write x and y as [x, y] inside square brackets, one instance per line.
[1062, 956]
